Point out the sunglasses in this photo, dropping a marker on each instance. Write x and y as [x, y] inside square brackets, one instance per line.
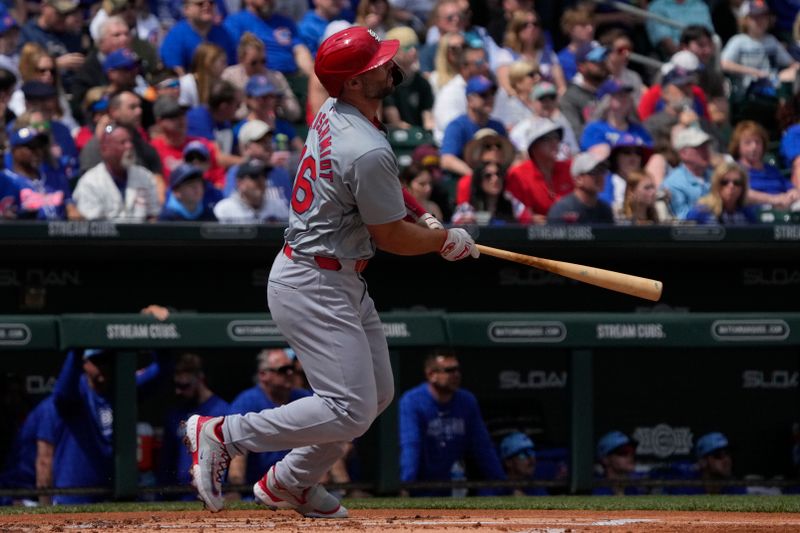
[171, 83]
[282, 370]
[492, 146]
[623, 50]
[454, 17]
[449, 369]
[256, 62]
[180, 385]
[46, 70]
[628, 151]
[201, 3]
[531, 24]
[726, 182]
[490, 175]
[195, 157]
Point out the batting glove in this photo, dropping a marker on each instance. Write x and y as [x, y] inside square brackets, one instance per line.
[429, 221]
[458, 245]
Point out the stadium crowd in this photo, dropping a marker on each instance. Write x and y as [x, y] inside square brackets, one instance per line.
[670, 111]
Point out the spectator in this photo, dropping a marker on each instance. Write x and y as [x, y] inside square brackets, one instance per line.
[724, 204]
[81, 395]
[36, 65]
[173, 138]
[214, 121]
[9, 41]
[252, 203]
[312, 25]
[208, 63]
[613, 117]
[683, 66]
[145, 28]
[620, 47]
[411, 103]
[122, 68]
[197, 155]
[699, 41]
[628, 154]
[198, 26]
[273, 388]
[42, 195]
[519, 461]
[445, 65]
[666, 38]
[501, 16]
[480, 92]
[616, 453]
[510, 109]
[255, 142]
[263, 100]
[451, 100]
[49, 30]
[29, 464]
[580, 99]
[114, 34]
[441, 427]
[714, 465]
[639, 206]
[691, 180]
[185, 201]
[487, 201]
[7, 82]
[584, 205]
[286, 51]
[578, 25]
[252, 62]
[767, 183]
[124, 109]
[754, 57]
[95, 109]
[117, 188]
[380, 16]
[448, 18]
[525, 41]
[418, 181]
[541, 180]
[679, 109]
[193, 396]
[487, 145]
[544, 104]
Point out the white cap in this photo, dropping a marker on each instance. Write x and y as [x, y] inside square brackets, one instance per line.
[683, 59]
[335, 26]
[585, 162]
[536, 129]
[691, 138]
[252, 130]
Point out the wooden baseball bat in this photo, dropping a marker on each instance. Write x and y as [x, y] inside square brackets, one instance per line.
[649, 289]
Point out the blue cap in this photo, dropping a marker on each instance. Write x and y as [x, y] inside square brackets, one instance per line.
[25, 136]
[610, 442]
[260, 86]
[124, 58]
[678, 76]
[196, 147]
[516, 443]
[183, 173]
[99, 105]
[93, 352]
[473, 40]
[479, 85]
[612, 86]
[7, 22]
[709, 443]
[591, 52]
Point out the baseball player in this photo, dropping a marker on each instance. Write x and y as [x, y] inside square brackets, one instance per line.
[347, 201]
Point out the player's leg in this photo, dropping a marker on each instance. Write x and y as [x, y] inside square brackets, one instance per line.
[381, 364]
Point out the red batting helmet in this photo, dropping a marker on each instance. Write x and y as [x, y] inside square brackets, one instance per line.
[348, 53]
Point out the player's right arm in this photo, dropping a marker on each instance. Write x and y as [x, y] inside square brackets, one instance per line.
[404, 238]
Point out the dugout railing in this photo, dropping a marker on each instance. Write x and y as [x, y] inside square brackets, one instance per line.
[580, 334]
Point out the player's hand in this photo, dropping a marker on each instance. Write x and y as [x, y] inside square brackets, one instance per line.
[458, 245]
[429, 221]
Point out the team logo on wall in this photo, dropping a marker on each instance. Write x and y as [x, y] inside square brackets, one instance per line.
[663, 440]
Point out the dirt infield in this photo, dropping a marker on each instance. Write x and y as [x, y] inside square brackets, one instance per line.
[407, 520]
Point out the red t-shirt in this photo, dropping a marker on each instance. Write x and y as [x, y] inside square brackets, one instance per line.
[527, 183]
[651, 97]
[172, 156]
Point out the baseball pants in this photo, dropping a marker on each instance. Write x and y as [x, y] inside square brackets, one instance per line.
[331, 322]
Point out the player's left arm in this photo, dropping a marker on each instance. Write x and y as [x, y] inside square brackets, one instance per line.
[416, 213]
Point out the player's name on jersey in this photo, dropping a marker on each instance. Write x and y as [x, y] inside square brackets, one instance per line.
[142, 331]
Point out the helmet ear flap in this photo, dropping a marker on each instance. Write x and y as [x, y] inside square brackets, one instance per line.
[398, 74]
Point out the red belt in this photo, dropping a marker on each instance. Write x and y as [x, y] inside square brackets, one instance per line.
[329, 263]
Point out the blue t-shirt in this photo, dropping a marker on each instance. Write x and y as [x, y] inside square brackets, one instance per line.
[460, 131]
[279, 34]
[568, 63]
[175, 462]
[311, 28]
[433, 436]
[42, 199]
[790, 145]
[600, 131]
[254, 400]
[182, 40]
[9, 192]
[56, 44]
[41, 424]
[769, 180]
[279, 183]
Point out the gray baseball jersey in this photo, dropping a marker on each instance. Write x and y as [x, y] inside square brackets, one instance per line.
[347, 178]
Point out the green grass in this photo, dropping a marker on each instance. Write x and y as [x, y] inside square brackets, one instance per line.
[763, 504]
